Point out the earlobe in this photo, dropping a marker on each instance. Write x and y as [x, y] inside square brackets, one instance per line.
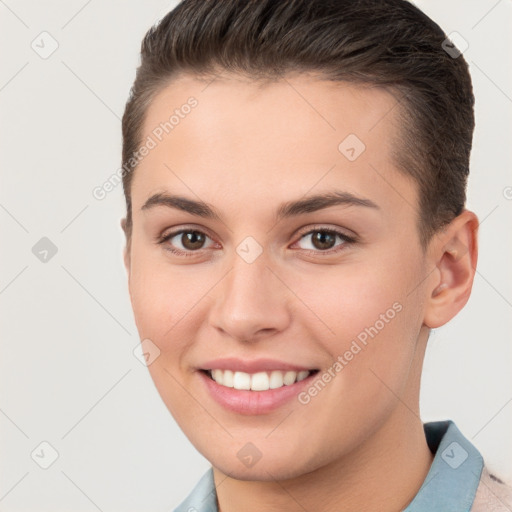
[454, 255]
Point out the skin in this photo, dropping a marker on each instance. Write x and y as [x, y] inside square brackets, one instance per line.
[245, 149]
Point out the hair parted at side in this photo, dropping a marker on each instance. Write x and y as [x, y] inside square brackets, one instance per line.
[384, 43]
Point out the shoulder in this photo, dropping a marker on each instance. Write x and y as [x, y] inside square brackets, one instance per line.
[492, 494]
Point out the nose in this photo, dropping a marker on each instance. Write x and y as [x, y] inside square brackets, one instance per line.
[251, 302]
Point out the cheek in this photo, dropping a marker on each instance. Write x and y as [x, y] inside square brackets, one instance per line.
[375, 323]
[163, 307]
[160, 298]
[369, 319]
[349, 299]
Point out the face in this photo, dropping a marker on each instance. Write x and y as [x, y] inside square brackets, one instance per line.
[275, 242]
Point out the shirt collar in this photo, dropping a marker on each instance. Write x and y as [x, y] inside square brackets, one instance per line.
[454, 476]
[203, 497]
[450, 484]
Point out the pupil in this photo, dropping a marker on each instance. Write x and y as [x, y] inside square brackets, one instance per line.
[323, 240]
[192, 240]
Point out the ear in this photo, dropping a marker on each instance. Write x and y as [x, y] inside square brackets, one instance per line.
[126, 250]
[454, 254]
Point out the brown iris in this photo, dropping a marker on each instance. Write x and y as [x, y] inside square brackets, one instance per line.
[192, 240]
[323, 239]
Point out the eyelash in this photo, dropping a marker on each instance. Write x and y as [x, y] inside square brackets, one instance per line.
[179, 252]
[347, 240]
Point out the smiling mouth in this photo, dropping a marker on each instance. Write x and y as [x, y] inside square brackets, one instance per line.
[260, 381]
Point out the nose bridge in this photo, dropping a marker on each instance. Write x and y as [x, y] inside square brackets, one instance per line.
[250, 299]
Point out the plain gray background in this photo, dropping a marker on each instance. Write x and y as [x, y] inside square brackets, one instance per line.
[68, 373]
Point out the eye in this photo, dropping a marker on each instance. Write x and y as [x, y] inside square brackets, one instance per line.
[324, 240]
[185, 241]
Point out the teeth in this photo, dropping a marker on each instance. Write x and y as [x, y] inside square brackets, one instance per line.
[217, 376]
[261, 381]
[226, 378]
[241, 380]
[276, 380]
[289, 378]
[302, 375]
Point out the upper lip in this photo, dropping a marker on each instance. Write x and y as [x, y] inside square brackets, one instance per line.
[251, 366]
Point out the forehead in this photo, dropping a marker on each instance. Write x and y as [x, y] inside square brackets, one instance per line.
[260, 140]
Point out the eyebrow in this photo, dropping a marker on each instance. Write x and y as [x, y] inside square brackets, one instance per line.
[285, 210]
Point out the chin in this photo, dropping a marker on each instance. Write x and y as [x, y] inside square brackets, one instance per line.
[266, 466]
[261, 471]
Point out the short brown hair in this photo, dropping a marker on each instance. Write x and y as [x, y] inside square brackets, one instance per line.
[384, 43]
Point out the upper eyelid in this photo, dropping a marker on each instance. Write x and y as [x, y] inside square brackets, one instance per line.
[305, 231]
[171, 232]
[321, 227]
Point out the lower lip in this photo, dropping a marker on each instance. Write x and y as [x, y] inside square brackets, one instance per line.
[253, 402]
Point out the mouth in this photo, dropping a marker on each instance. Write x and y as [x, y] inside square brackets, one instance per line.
[259, 381]
[256, 386]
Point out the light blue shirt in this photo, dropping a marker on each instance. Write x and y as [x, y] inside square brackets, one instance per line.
[450, 485]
